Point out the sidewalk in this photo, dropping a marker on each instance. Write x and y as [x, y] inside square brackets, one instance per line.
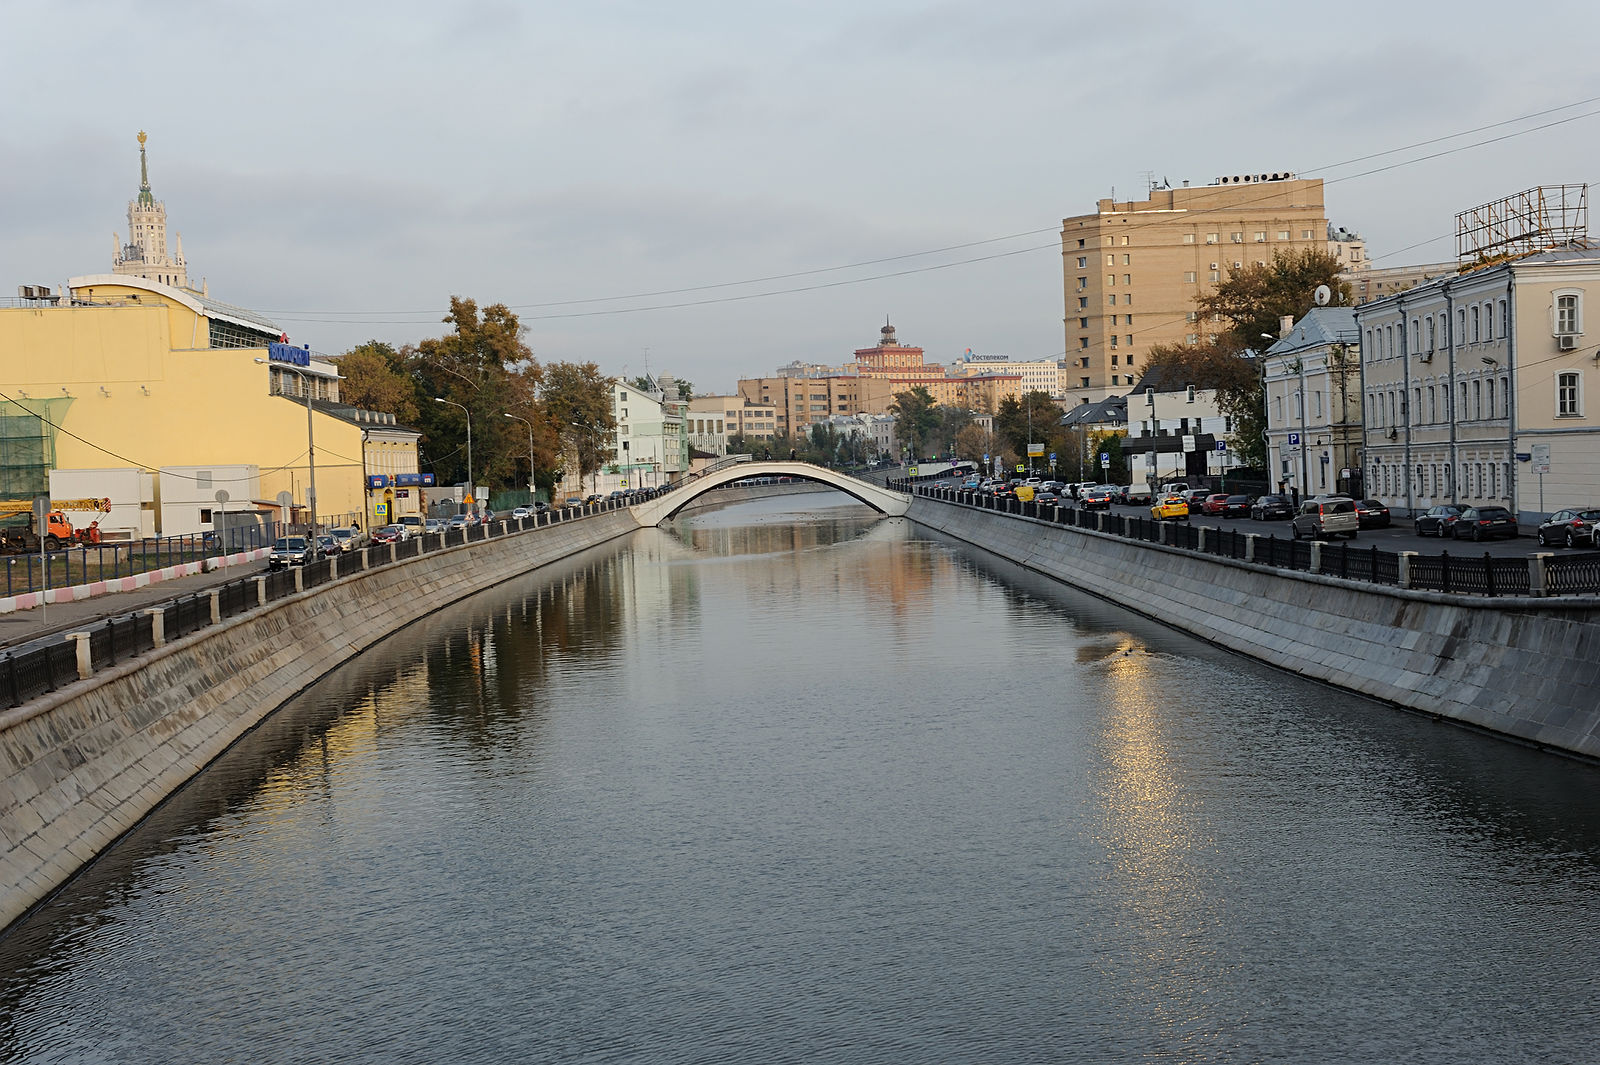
[23, 626]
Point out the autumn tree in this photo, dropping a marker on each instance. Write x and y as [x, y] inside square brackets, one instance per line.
[377, 377]
[577, 408]
[1033, 418]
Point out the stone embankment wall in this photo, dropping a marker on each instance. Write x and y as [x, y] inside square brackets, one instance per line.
[83, 765]
[1525, 668]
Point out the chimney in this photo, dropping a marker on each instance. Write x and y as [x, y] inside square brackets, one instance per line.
[1285, 326]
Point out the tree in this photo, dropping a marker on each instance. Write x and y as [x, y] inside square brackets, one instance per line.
[914, 417]
[951, 421]
[484, 366]
[1235, 378]
[577, 407]
[1253, 299]
[1032, 419]
[377, 377]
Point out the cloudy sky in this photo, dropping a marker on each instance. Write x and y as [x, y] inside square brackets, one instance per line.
[693, 186]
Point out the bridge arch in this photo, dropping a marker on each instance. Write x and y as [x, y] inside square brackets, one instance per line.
[657, 510]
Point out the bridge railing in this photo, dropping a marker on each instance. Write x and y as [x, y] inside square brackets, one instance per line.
[1534, 575]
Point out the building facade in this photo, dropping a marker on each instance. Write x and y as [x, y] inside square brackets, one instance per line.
[1312, 383]
[1178, 428]
[1132, 270]
[1475, 388]
[799, 401]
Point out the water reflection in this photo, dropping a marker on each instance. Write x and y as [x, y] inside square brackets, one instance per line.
[791, 782]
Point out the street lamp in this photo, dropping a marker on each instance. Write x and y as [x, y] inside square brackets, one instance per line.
[311, 443]
[529, 424]
[471, 488]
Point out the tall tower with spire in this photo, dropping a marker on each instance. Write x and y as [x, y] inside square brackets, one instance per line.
[145, 255]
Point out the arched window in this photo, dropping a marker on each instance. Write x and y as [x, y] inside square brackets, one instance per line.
[1475, 323]
[1430, 332]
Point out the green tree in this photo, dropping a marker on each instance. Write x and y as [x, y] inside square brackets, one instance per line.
[484, 366]
[914, 418]
[1252, 299]
[1032, 419]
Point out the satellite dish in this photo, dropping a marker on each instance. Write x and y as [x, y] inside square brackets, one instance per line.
[1322, 295]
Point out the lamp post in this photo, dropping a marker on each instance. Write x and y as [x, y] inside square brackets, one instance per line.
[529, 424]
[311, 441]
[471, 488]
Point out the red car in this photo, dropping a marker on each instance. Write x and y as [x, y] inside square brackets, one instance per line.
[1215, 504]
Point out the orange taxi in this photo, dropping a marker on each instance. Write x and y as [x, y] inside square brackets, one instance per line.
[1169, 508]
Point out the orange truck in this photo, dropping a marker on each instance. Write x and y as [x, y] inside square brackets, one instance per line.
[18, 539]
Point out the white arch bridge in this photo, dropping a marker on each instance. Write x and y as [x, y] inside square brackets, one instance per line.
[657, 510]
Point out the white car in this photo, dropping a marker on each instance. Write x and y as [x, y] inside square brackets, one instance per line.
[522, 512]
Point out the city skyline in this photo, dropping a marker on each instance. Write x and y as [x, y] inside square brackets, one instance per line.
[353, 179]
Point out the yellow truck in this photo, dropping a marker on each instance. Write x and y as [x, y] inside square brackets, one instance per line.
[20, 539]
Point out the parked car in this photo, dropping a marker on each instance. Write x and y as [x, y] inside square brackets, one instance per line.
[350, 539]
[1324, 517]
[573, 501]
[1045, 497]
[521, 512]
[1135, 494]
[1097, 498]
[594, 497]
[1272, 508]
[388, 534]
[1569, 527]
[1236, 507]
[1196, 498]
[411, 523]
[1437, 521]
[1485, 523]
[1372, 514]
[1214, 504]
[290, 551]
[434, 525]
[327, 546]
[457, 521]
[1170, 507]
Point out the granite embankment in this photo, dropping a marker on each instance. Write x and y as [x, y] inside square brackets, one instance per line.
[1527, 668]
[84, 764]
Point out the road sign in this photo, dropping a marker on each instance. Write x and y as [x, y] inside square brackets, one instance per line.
[1541, 458]
[1052, 458]
[986, 456]
[1294, 439]
[1188, 443]
[1222, 445]
[913, 471]
[1105, 462]
[1035, 449]
[1020, 467]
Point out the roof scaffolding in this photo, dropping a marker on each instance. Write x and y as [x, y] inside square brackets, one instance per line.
[1546, 216]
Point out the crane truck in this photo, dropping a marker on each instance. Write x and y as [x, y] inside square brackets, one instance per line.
[18, 539]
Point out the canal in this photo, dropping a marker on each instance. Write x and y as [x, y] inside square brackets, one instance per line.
[788, 783]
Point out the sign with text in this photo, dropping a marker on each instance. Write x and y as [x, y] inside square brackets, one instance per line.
[1541, 458]
[288, 353]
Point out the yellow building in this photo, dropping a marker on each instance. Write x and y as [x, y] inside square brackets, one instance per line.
[801, 401]
[1131, 271]
[124, 372]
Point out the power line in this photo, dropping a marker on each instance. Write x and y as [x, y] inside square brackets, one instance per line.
[354, 317]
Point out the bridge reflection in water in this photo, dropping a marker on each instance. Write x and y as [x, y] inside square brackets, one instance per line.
[784, 781]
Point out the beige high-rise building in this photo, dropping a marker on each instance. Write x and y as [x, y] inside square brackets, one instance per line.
[801, 401]
[1132, 270]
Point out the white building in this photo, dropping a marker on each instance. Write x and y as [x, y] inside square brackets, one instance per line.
[1475, 388]
[650, 446]
[1179, 429]
[1043, 375]
[1312, 378]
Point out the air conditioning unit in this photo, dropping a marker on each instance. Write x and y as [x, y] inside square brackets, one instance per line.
[1426, 356]
[1567, 341]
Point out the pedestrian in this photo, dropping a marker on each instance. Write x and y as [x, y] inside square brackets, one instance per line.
[791, 454]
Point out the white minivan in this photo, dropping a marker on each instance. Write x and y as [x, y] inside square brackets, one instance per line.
[1136, 493]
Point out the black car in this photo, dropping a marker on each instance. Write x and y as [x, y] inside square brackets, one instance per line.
[1485, 523]
[1272, 508]
[1569, 527]
[1236, 507]
[1373, 514]
[1437, 521]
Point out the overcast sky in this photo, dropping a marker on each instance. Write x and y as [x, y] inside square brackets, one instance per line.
[346, 167]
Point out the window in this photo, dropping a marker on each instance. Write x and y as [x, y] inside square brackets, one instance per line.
[1490, 391]
[1083, 283]
[1189, 394]
[1127, 279]
[1568, 395]
[1191, 338]
[1192, 316]
[1080, 243]
[1211, 238]
[1083, 323]
[1111, 279]
[1433, 406]
[1567, 320]
[1111, 260]
[1305, 234]
[1083, 303]
[1126, 259]
[1124, 241]
[1429, 320]
[1416, 335]
[1237, 238]
[1083, 342]
[1283, 234]
[1130, 340]
[1190, 278]
[1477, 400]
[1113, 358]
[1188, 238]
[1461, 324]
[1475, 335]
[1261, 236]
[1505, 319]
[1113, 341]
[1111, 300]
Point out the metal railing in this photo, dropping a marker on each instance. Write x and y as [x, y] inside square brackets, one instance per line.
[27, 673]
[1490, 576]
[88, 563]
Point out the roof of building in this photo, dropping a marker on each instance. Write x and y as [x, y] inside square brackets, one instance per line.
[1587, 251]
[1321, 327]
[196, 302]
[1113, 410]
